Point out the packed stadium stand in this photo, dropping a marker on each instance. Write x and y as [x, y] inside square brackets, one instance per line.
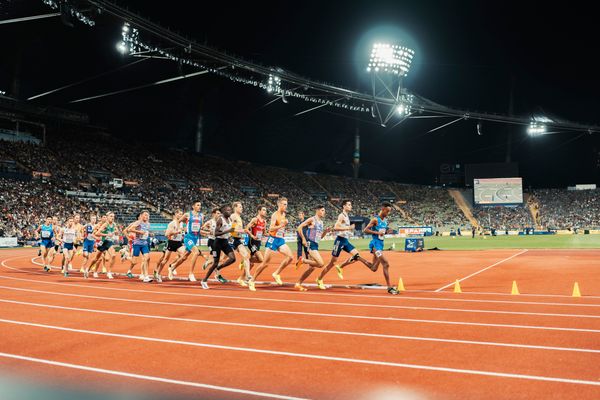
[87, 173]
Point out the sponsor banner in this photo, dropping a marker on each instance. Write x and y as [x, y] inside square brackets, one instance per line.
[205, 189]
[37, 174]
[131, 183]
[415, 231]
[272, 195]
[8, 242]
[158, 226]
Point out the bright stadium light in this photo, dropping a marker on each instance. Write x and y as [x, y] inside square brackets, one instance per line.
[273, 84]
[405, 105]
[122, 47]
[536, 129]
[390, 58]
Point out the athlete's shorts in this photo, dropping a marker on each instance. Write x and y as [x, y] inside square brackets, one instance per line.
[47, 243]
[56, 246]
[88, 246]
[107, 244]
[125, 241]
[376, 245]
[274, 243]
[313, 245]
[247, 240]
[237, 242]
[221, 245]
[190, 241]
[210, 243]
[173, 245]
[341, 243]
[140, 248]
[254, 246]
[68, 246]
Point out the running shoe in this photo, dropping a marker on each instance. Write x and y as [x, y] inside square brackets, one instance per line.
[277, 279]
[320, 284]
[109, 275]
[221, 279]
[251, 286]
[299, 287]
[46, 268]
[66, 273]
[95, 274]
[147, 279]
[170, 275]
[129, 275]
[340, 272]
[241, 282]
[157, 277]
[393, 290]
[204, 285]
[192, 278]
[86, 274]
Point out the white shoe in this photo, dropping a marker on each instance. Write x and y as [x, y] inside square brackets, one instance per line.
[158, 278]
[174, 272]
[147, 279]
[192, 278]
[109, 275]
[142, 277]
[204, 285]
[95, 274]
[170, 276]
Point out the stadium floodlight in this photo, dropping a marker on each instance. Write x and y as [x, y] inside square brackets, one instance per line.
[388, 66]
[274, 84]
[536, 129]
[122, 47]
[390, 58]
[404, 107]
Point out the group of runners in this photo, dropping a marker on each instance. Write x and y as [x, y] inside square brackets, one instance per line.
[226, 234]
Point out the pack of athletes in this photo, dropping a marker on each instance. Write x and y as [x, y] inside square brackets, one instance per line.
[176, 240]
[258, 231]
[89, 239]
[192, 235]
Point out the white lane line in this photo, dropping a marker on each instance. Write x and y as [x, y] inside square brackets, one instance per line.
[482, 270]
[357, 305]
[310, 356]
[354, 305]
[145, 377]
[362, 296]
[270, 311]
[284, 328]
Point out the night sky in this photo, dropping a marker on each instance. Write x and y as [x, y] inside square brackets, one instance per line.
[470, 53]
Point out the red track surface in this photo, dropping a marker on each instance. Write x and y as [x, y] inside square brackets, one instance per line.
[340, 343]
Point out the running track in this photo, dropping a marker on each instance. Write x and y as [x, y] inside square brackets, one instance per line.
[177, 339]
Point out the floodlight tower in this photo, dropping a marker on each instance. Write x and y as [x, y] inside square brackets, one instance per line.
[388, 66]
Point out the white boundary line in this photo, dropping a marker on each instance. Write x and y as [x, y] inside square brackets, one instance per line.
[312, 356]
[482, 270]
[145, 377]
[284, 328]
[349, 316]
[307, 301]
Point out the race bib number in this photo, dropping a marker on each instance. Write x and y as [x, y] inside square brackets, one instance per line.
[45, 234]
[381, 234]
[254, 249]
[145, 236]
[196, 227]
[259, 235]
[271, 240]
[378, 253]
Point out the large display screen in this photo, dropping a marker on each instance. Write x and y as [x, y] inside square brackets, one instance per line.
[498, 191]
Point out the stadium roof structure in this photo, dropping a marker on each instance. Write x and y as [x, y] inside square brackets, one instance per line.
[146, 39]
